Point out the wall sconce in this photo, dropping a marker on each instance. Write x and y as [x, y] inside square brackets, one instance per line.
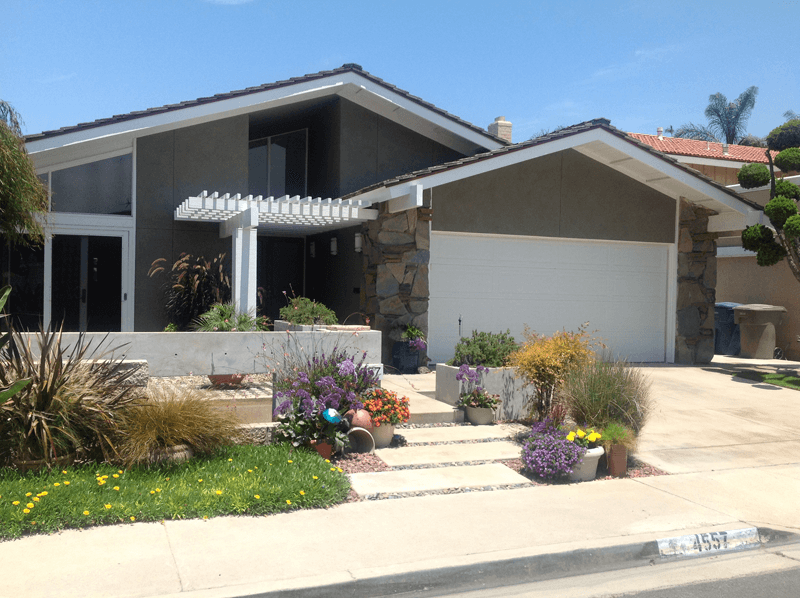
[359, 242]
[334, 246]
[312, 249]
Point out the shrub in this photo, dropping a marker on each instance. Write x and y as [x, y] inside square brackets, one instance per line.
[787, 189]
[547, 453]
[489, 349]
[193, 285]
[302, 310]
[779, 208]
[785, 136]
[770, 254]
[71, 403]
[791, 228]
[755, 236]
[223, 317]
[617, 433]
[169, 417]
[599, 392]
[753, 175]
[789, 159]
[543, 361]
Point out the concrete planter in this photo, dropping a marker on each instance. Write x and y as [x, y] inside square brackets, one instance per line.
[480, 416]
[514, 393]
[586, 469]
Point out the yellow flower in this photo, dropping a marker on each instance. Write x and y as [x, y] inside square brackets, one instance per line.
[116, 475]
[167, 479]
[327, 460]
[288, 502]
[15, 503]
[333, 469]
[133, 518]
[152, 492]
[302, 493]
[107, 506]
[26, 511]
[101, 482]
[105, 477]
[66, 483]
[43, 493]
[249, 471]
[257, 465]
[571, 436]
[256, 496]
[119, 471]
[29, 494]
[581, 433]
[35, 499]
[56, 484]
[229, 460]
[116, 488]
[594, 436]
[29, 505]
[86, 512]
[315, 477]
[289, 461]
[340, 470]
[64, 472]
[219, 491]
[158, 489]
[200, 480]
[205, 516]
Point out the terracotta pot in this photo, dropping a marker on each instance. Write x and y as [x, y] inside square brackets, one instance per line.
[586, 469]
[226, 379]
[359, 419]
[480, 416]
[323, 448]
[383, 435]
[361, 440]
[617, 460]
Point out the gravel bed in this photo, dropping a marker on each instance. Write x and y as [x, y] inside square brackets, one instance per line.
[472, 441]
[448, 464]
[360, 463]
[391, 495]
[253, 386]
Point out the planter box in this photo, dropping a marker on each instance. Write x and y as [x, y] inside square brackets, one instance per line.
[283, 325]
[514, 393]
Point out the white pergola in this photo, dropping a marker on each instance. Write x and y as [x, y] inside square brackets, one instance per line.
[241, 217]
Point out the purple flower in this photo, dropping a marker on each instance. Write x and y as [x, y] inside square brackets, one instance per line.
[347, 368]
[417, 344]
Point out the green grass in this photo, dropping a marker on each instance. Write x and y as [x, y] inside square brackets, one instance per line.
[786, 380]
[237, 480]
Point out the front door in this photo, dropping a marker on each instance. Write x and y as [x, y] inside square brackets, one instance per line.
[87, 283]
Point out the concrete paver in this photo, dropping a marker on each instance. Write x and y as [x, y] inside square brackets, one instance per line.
[715, 458]
[438, 478]
[448, 453]
[456, 433]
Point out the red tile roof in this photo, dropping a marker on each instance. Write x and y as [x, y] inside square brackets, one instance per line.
[702, 149]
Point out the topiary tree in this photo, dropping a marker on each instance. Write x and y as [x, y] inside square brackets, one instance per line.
[23, 197]
[771, 246]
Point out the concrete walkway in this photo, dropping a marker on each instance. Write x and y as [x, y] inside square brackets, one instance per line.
[728, 444]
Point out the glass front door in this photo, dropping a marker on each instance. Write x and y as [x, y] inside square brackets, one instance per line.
[87, 283]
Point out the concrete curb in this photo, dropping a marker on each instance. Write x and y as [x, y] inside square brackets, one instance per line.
[515, 571]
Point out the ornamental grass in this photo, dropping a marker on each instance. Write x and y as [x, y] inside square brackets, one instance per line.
[236, 480]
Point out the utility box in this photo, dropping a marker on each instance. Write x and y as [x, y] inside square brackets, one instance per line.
[757, 324]
[726, 331]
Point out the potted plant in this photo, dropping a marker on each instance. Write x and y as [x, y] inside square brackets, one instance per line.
[386, 410]
[479, 404]
[302, 311]
[618, 440]
[589, 440]
[313, 426]
[546, 452]
[407, 354]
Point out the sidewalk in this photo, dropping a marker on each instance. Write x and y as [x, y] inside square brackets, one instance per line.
[728, 443]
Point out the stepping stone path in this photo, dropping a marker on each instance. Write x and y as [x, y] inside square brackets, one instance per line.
[445, 460]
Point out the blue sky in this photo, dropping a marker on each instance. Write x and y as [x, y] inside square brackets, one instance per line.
[642, 64]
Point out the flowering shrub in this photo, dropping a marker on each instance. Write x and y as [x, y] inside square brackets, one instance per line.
[415, 337]
[385, 407]
[479, 398]
[547, 453]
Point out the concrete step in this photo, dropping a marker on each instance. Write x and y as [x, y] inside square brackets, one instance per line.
[449, 453]
[419, 388]
[459, 433]
[438, 478]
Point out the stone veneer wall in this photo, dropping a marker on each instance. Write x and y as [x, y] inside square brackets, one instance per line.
[395, 262]
[697, 280]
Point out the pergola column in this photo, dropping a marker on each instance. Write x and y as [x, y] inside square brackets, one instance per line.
[243, 228]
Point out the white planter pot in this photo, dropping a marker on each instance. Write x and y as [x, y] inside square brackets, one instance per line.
[383, 435]
[480, 416]
[514, 393]
[587, 469]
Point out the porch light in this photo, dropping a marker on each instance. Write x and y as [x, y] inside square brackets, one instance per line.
[359, 241]
[312, 249]
[334, 246]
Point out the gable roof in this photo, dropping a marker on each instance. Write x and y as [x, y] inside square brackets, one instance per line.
[702, 149]
[243, 93]
[723, 199]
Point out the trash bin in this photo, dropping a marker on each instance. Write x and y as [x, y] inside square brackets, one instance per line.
[757, 324]
[726, 331]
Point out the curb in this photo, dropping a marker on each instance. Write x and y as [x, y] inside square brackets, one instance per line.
[547, 566]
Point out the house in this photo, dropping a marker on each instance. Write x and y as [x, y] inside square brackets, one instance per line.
[364, 197]
[739, 278]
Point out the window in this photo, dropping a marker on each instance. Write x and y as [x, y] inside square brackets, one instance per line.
[277, 165]
[101, 187]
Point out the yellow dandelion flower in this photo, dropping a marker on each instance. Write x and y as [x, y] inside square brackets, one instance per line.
[257, 465]
[219, 491]
[86, 512]
[29, 494]
[116, 488]
[158, 489]
[15, 503]
[26, 511]
[249, 471]
[167, 479]
[66, 483]
[340, 470]
[256, 496]
[302, 493]
[152, 492]
[30, 505]
[229, 460]
[116, 475]
[289, 461]
[64, 472]
[333, 469]
[43, 493]
[288, 502]
[200, 480]
[119, 471]
[205, 516]
[105, 477]
[327, 460]
[56, 484]
[35, 499]
[315, 477]
[101, 482]
[107, 506]
[133, 518]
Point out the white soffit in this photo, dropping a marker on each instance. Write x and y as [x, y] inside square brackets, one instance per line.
[284, 215]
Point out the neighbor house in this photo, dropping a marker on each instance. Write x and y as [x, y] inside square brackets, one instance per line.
[346, 189]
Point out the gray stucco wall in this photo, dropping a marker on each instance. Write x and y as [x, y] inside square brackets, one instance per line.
[170, 167]
[560, 195]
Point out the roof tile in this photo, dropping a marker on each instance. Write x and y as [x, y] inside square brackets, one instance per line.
[702, 149]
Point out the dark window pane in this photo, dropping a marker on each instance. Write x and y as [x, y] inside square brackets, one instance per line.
[102, 187]
[23, 269]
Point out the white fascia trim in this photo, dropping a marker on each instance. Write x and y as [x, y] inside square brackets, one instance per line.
[739, 189]
[85, 160]
[572, 141]
[734, 252]
[707, 161]
[345, 84]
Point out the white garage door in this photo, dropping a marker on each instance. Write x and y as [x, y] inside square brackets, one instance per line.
[495, 282]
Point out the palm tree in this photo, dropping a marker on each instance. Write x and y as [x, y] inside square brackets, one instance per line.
[727, 121]
[10, 118]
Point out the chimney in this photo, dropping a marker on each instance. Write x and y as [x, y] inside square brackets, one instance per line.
[501, 128]
[660, 132]
[725, 149]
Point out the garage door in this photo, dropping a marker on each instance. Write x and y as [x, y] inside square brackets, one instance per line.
[495, 282]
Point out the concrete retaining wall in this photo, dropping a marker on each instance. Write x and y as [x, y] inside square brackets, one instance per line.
[514, 393]
[202, 353]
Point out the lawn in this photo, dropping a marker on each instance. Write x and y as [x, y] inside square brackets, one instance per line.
[237, 480]
[786, 380]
